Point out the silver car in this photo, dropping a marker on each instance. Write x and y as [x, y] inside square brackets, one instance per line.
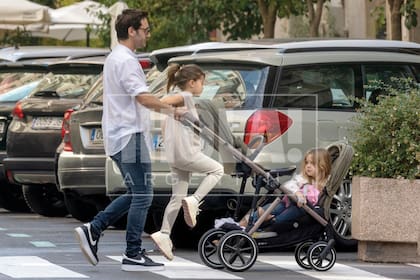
[296, 95]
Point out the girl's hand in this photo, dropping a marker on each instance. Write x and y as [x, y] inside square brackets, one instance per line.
[179, 112]
[301, 200]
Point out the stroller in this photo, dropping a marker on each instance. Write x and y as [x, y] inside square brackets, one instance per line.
[237, 249]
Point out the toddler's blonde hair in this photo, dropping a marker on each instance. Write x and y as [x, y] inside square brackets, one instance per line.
[322, 162]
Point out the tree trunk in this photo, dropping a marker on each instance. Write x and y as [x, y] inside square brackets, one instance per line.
[314, 16]
[268, 13]
[395, 7]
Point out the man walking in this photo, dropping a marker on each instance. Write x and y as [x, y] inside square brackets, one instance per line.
[125, 124]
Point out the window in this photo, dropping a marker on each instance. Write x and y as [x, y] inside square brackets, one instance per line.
[383, 74]
[232, 87]
[416, 69]
[10, 81]
[321, 86]
[64, 85]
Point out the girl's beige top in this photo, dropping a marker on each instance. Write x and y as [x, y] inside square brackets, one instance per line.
[181, 143]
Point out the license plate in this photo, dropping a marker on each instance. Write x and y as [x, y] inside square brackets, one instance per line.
[96, 136]
[47, 123]
[2, 126]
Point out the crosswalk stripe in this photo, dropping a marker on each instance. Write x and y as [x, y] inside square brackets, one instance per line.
[34, 267]
[18, 235]
[42, 244]
[337, 272]
[180, 268]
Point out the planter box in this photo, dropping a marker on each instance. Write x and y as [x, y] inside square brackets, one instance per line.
[385, 219]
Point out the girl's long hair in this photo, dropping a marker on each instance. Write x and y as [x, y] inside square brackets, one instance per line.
[178, 75]
[322, 161]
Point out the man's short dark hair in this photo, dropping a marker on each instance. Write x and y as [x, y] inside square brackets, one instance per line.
[128, 17]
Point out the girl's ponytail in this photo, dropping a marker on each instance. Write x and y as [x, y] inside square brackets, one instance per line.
[172, 70]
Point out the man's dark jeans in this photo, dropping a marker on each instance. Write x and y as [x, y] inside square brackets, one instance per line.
[134, 164]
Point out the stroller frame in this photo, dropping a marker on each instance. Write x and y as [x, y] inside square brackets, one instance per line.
[232, 245]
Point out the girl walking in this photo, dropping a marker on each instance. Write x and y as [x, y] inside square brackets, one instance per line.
[183, 152]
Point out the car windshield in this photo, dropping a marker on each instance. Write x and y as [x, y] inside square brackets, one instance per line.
[10, 81]
[64, 85]
[235, 87]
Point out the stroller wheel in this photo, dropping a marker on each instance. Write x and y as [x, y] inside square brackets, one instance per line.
[237, 251]
[207, 248]
[319, 260]
[301, 254]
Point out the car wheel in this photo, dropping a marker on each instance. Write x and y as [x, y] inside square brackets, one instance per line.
[45, 200]
[338, 209]
[78, 208]
[11, 198]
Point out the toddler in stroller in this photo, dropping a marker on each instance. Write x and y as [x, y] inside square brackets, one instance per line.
[307, 186]
[311, 234]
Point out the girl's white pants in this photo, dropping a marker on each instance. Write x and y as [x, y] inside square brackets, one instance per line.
[180, 181]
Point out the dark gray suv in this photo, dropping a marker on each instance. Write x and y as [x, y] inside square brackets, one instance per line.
[35, 131]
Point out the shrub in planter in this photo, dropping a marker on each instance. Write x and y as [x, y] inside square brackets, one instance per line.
[387, 134]
[386, 141]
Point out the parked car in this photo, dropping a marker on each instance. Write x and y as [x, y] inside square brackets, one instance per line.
[35, 131]
[16, 82]
[19, 65]
[297, 95]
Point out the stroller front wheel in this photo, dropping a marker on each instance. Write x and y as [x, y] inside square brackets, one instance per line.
[207, 248]
[237, 251]
[320, 260]
[301, 254]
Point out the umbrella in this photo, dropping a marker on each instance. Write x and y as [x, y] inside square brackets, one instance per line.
[22, 12]
[74, 22]
[114, 11]
[65, 32]
[85, 12]
[69, 23]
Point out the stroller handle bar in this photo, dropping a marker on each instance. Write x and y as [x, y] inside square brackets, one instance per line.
[189, 120]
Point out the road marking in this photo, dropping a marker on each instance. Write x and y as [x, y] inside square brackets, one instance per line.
[34, 267]
[42, 244]
[337, 272]
[414, 264]
[18, 235]
[180, 268]
[2, 229]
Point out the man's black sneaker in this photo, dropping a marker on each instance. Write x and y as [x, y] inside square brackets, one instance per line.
[88, 245]
[140, 263]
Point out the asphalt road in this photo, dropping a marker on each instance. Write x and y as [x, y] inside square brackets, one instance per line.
[35, 247]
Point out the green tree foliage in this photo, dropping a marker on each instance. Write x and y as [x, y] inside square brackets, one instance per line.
[399, 8]
[185, 21]
[240, 19]
[191, 21]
